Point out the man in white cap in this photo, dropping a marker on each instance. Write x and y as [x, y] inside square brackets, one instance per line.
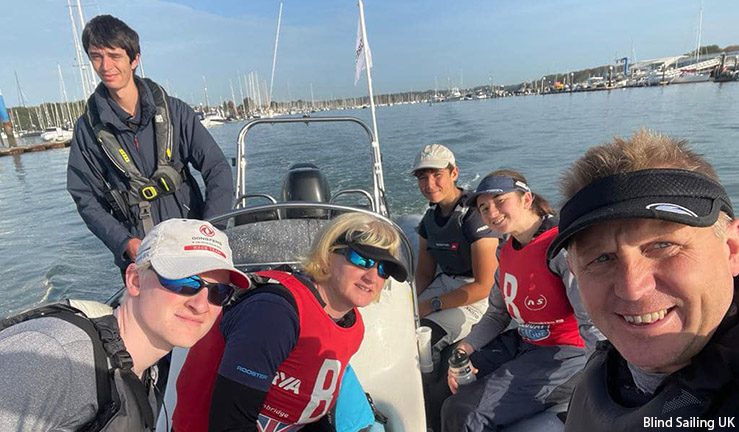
[456, 255]
[81, 364]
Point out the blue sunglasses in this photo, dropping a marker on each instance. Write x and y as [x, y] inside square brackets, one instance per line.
[218, 293]
[363, 262]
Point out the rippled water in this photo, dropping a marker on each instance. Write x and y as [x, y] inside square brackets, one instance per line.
[47, 253]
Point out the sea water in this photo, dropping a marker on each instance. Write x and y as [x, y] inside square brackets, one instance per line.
[47, 252]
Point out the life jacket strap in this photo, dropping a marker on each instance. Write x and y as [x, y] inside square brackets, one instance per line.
[145, 216]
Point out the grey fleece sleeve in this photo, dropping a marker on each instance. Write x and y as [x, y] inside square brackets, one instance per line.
[47, 376]
[588, 331]
[495, 320]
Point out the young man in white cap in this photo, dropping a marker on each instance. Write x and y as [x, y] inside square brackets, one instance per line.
[456, 256]
[80, 364]
[654, 246]
[456, 263]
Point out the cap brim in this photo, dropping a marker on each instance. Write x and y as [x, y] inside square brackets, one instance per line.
[687, 210]
[178, 267]
[472, 200]
[395, 268]
[430, 164]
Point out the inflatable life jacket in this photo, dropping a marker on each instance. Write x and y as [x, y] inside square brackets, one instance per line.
[141, 189]
[125, 403]
[535, 297]
[702, 396]
[447, 244]
[306, 365]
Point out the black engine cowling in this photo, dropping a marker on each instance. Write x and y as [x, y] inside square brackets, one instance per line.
[305, 182]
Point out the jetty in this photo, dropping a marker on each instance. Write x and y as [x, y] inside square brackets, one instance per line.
[12, 151]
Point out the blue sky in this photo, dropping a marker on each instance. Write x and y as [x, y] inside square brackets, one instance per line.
[413, 42]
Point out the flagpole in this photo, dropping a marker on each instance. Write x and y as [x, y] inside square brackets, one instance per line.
[379, 180]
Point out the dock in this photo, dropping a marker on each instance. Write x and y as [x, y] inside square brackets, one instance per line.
[12, 151]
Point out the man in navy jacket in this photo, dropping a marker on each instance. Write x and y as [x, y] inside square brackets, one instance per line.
[128, 164]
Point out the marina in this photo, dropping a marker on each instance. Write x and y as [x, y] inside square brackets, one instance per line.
[51, 255]
[296, 165]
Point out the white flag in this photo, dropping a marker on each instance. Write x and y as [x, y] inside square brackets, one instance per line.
[361, 45]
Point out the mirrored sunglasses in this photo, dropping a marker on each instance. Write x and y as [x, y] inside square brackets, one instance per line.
[218, 293]
[363, 262]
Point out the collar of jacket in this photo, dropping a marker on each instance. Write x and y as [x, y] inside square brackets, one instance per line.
[108, 116]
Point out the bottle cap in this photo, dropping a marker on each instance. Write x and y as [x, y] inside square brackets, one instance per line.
[459, 358]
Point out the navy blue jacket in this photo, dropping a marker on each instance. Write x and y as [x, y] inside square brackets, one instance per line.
[192, 144]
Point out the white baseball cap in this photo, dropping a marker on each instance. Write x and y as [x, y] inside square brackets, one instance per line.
[180, 248]
[433, 156]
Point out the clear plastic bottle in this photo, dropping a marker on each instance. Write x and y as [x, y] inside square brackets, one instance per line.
[461, 368]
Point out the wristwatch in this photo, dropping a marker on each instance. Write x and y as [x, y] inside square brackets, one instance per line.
[436, 304]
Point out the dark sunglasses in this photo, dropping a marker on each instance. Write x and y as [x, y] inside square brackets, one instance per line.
[363, 262]
[218, 293]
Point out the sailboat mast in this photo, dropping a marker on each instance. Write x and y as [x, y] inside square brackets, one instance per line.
[63, 91]
[233, 96]
[92, 79]
[21, 96]
[312, 99]
[241, 94]
[700, 29]
[274, 58]
[257, 91]
[86, 90]
[205, 90]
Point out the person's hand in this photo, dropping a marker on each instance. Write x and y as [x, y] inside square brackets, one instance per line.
[451, 381]
[466, 347]
[132, 248]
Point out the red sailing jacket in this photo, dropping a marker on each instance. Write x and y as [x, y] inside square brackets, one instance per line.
[535, 297]
[307, 381]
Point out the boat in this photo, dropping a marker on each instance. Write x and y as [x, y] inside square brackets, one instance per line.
[56, 134]
[454, 95]
[661, 77]
[278, 231]
[690, 77]
[211, 119]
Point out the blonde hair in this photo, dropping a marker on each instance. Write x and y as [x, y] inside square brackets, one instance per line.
[356, 227]
[141, 269]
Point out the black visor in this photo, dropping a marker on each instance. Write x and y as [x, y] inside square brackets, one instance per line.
[393, 266]
[673, 195]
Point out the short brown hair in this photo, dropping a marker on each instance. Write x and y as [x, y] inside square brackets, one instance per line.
[645, 149]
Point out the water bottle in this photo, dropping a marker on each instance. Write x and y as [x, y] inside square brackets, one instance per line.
[461, 368]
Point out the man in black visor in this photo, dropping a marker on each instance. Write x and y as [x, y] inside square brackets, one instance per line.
[654, 246]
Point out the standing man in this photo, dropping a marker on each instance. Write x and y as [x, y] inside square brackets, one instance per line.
[80, 365]
[128, 161]
[654, 246]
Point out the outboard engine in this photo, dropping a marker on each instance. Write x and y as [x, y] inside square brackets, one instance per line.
[305, 182]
